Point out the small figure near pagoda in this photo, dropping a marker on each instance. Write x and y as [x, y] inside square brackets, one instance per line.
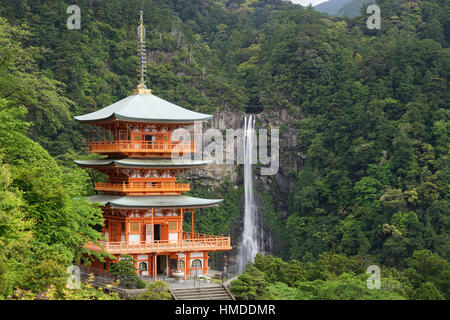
[143, 204]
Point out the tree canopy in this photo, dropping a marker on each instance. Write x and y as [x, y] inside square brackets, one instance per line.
[369, 110]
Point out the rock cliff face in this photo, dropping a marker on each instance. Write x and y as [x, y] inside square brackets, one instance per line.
[276, 187]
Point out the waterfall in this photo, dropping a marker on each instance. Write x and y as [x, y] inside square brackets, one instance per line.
[249, 246]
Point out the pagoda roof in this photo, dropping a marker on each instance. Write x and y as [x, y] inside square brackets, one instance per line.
[143, 163]
[144, 108]
[154, 201]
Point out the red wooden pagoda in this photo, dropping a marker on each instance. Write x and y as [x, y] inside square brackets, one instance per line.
[143, 204]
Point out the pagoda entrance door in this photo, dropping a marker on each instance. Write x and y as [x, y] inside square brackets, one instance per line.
[162, 264]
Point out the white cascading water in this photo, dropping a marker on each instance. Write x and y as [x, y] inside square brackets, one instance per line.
[249, 241]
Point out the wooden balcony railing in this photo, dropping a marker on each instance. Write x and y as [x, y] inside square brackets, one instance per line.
[129, 146]
[189, 242]
[198, 236]
[144, 187]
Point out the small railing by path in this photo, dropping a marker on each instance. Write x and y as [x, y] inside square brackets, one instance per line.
[189, 242]
[114, 283]
[230, 273]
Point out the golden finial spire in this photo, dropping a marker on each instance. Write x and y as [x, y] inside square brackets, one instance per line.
[141, 88]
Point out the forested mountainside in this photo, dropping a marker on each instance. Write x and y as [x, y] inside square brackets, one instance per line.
[353, 8]
[347, 8]
[331, 7]
[369, 109]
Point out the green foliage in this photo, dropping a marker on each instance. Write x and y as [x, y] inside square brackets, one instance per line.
[354, 8]
[124, 267]
[370, 108]
[279, 271]
[250, 285]
[23, 84]
[157, 290]
[429, 274]
[126, 270]
[44, 220]
[427, 291]
[39, 276]
[51, 196]
[344, 287]
[281, 291]
[85, 292]
[331, 277]
[15, 233]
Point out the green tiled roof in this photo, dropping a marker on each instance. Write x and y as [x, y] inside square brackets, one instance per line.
[144, 108]
[154, 201]
[143, 163]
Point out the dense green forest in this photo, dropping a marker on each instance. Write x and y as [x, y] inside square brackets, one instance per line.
[370, 108]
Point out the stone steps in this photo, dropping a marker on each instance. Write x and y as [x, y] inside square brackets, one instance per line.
[204, 293]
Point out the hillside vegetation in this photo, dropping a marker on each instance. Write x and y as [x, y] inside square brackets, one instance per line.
[370, 108]
[331, 6]
[353, 8]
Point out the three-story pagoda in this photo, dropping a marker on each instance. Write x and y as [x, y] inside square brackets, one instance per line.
[143, 204]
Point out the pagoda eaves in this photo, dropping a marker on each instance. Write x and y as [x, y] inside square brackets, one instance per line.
[143, 163]
[154, 201]
[144, 108]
